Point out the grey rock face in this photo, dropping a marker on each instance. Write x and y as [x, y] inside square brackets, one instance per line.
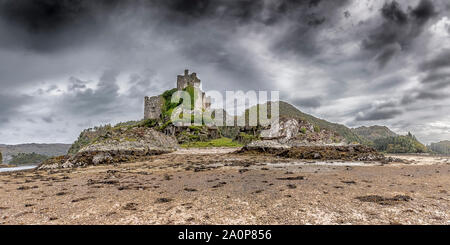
[283, 131]
[266, 144]
[101, 158]
[120, 148]
[292, 132]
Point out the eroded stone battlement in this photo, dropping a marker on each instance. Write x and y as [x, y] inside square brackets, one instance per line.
[187, 79]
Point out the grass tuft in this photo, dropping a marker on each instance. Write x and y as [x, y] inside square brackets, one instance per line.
[221, 142]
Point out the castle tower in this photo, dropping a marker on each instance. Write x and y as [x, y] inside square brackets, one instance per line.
[153, 105]
[188, 80]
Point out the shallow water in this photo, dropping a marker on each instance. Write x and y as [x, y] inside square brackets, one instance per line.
[17, 168]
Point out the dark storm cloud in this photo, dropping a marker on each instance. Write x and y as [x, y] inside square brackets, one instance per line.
[310, 48]
[438, 62]
[307, 21]
[141, 83]
[387, 105]
[246, 11]
[413, 97]
[379, 111]
[311, 102]
[387, 54]
[203, 30]
[76, 84]
[48, 26]
[48, 119]
[92, 101]
[187, 11]
[207, 29]
[376, 115]
[424, 95]
[398, 29]
[436, 77]
[424, 11]
[10, 106]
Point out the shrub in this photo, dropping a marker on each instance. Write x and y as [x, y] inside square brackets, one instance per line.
[316, 128]
[168, 106]
[246, 138]
[149, 123]
[220, 142]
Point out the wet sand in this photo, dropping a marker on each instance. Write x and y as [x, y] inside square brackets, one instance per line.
[214, 186]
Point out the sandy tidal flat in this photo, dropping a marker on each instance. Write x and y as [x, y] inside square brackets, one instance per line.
[201, 186]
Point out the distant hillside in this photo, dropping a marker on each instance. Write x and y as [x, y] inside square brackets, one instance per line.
[400, 144]
[27, 158]
[442, 147]
[288, 110]
[43, 149]
[383, 139]
[374, 132]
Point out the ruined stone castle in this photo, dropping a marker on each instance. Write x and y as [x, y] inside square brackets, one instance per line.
[153, 105]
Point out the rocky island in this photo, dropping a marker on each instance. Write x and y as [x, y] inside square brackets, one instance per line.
[153, 172]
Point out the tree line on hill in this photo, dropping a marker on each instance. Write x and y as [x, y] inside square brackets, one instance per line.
[400, 144]
[27, 158]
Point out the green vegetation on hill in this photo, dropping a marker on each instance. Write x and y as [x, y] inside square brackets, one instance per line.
[442, 147]
[374, 132]
[99, 133]
[90, 135]
[220, 142]
[383, 139]
[27, 158]
[400, 144]
[168, 106]
[43, 149]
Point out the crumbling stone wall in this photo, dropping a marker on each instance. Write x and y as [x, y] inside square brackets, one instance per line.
[206, 101]
[152, 107]
[188, 80]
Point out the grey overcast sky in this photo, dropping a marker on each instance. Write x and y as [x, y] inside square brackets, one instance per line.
[66, 65]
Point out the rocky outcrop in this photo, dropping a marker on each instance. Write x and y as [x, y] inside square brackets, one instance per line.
[127, 145]
[282, 131]
[264, 146]
[349, 152]
[297, 139]
[326, 152]
[295, 132]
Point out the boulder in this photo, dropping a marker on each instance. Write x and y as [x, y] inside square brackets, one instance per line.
[282, 131]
